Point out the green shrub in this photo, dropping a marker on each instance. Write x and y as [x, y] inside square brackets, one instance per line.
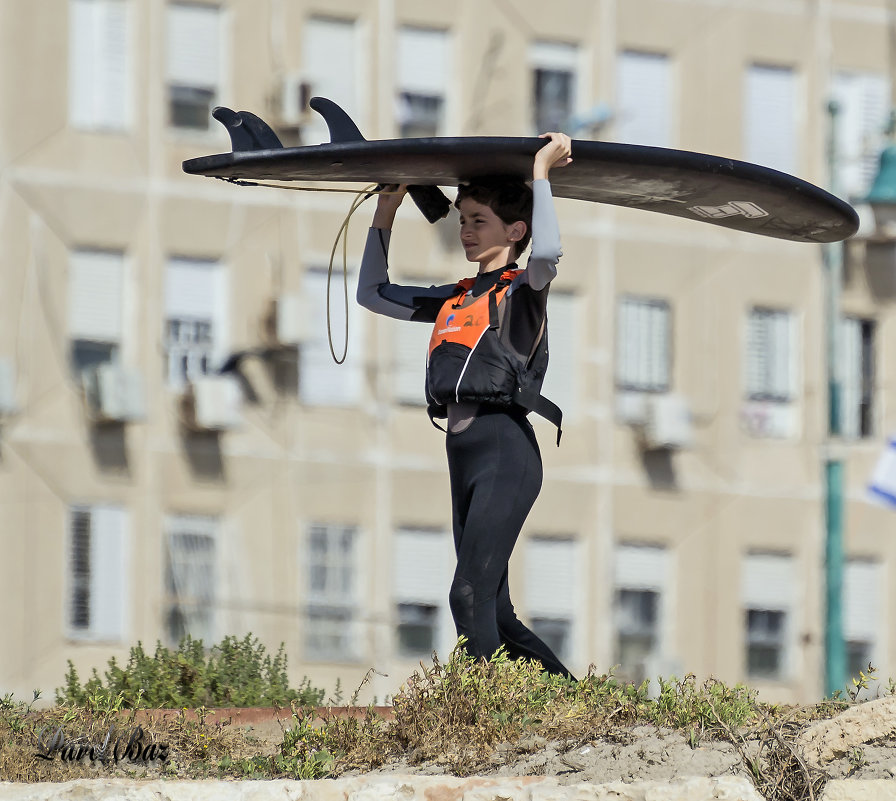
[234, 672]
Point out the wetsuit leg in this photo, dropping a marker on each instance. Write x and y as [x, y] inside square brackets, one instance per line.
[496, 474]
[519, 640]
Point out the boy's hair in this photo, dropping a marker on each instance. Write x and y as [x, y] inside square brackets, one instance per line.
[509, 198]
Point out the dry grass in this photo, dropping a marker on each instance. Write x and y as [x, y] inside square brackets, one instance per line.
[460, 715]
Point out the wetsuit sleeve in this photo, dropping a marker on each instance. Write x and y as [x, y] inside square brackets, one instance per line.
[546, 250]
[377, 293]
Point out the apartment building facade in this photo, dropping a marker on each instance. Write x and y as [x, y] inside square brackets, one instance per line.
[145, 496]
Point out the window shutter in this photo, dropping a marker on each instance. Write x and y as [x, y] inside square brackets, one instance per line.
[561, 380]
[757, 354]
[642, 344]
[551, 571]
[330, 66]
[850, 361]
[643, 91]
[423, 66]
[863, 100]
[770, 117]
[641, 567]
[109, 576]
[422, 565]
[197, 289]
[410, 342]
[322, 382]
[194, 45]
[80, 569]
[767, 581]
[95, 295]
[99, 63]
[861, 600]
[782, 377]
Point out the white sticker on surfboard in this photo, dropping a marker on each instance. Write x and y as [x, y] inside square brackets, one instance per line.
[734, 208]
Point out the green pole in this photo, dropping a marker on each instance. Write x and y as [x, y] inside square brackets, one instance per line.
[835, 648]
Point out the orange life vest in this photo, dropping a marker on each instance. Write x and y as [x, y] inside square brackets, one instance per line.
[468, 361]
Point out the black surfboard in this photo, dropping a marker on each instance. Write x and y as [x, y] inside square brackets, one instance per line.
[696, 186]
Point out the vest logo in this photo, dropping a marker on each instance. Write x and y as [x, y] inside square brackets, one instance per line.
[450, 319]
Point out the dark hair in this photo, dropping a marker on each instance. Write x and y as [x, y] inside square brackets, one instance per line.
[509, 198]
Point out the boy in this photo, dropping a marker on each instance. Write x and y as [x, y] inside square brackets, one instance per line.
[487, 357]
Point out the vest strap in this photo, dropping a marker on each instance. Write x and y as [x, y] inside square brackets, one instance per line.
[533, 401]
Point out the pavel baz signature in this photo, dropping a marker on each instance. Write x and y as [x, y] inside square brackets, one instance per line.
[135, 748]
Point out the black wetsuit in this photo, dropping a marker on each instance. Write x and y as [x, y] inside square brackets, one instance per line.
[493, 458]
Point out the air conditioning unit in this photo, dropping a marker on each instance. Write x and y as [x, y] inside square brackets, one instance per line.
[294, 96]
[114, 394]
[7, 388]
[290, 319]
[216, 403]
[668, 424]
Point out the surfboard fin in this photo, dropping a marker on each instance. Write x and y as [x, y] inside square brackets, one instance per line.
[247, 131]
[429, 199]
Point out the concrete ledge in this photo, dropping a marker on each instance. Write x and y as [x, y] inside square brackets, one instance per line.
[427, 788]
[386, 788]
[859, 790]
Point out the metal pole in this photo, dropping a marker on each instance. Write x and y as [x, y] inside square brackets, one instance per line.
[835, 649]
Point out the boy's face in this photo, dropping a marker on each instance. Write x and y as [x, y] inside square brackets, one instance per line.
[486, 239]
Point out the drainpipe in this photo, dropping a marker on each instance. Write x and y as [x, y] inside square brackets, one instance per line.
[835, 648]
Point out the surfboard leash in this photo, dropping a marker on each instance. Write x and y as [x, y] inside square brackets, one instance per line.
[360, 197]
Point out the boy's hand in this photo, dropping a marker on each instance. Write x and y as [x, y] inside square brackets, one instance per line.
[387, 203]
[556, 153]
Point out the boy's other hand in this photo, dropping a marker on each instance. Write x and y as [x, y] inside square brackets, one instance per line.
[556, 153]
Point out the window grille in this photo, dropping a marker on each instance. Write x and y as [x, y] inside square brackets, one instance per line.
[191, 579]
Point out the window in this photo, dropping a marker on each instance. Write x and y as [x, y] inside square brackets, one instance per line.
[863, 104]
[423, 71]
[641, 583]
[330, 568]
[322, 382]
[99, 64]
[643, 99]
[97, 573]
[765, 643]
[770, 356]
[857, 378]
[554, 71]
[643, 344]
[770, 117]
[551, 587]
[95, 308]
[330, 58]
[767, 595]
[423, 564]
[194, 64]
[862, 613]
[417, 629]
[191, 578]
[637, 626]
[195, 319]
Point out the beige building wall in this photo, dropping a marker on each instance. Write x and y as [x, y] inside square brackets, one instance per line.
[378, 465]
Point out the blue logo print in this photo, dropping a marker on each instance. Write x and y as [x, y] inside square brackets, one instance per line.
[450, 319]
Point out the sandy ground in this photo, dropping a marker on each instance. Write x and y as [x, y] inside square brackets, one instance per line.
[639, 753]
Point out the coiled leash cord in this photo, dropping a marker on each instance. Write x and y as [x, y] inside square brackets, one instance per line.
[360, 197]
